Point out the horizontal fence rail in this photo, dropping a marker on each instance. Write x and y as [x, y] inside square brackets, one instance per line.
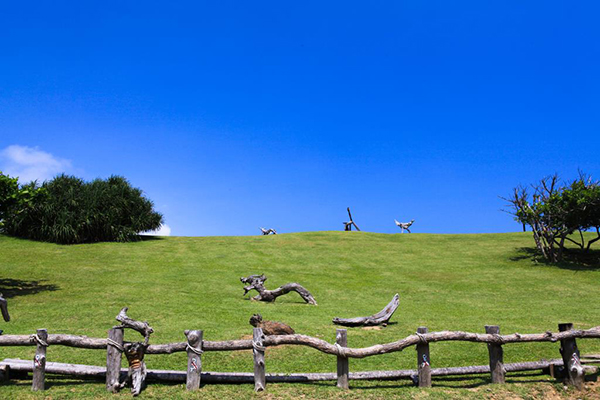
[195, 347]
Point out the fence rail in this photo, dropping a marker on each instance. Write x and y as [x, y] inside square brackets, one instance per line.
[195, 346]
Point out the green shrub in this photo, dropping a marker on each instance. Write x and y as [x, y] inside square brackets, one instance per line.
[68, 210]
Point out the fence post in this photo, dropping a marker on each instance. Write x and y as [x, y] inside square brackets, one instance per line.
[423, 360]
[114, 350]
[260, 380]
[341, 340]
[39, 361]
[574, 373]
[194, 352]
[496, 356]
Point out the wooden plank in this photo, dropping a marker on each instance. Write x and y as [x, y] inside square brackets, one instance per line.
[260, 382]
[496, 356]
[423, 363]
[194, 352]
[39, 361]
[113, 359]
[341, 339]
[570, 355]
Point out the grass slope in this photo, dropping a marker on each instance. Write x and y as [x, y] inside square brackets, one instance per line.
[446, 282]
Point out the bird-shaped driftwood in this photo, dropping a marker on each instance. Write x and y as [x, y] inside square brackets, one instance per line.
[404, 225]
[270, 327]
[268, 231]
[381, 318]
[257, 282]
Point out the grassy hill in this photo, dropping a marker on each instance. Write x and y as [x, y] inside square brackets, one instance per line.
[445, 282]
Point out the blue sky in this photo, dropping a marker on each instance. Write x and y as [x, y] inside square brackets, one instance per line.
[236, 115]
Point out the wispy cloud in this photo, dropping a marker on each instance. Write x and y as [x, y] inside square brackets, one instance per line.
[164, 230]
[31, 163]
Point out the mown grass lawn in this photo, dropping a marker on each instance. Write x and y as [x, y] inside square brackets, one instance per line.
[445, 282]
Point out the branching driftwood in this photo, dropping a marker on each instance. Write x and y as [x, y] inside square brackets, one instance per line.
[135, 352]
[381, 318]
[256, 282]
[268, 231]
[404, 225]
[4, 308]
[348, 225]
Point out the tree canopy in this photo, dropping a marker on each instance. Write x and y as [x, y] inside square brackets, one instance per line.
[68, 210]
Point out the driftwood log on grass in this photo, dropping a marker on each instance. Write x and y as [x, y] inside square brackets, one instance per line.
[381, 318]
[257, 282]
[270, 327]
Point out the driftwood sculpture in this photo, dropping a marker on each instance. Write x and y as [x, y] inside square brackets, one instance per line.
[381, 318]
[348, 225]
[136, 376]
[4, 308]
[268, 231]
[256, 282]
[404, 225]
[270, 327]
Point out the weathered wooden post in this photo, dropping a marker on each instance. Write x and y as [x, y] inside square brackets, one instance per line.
[260, 380]
[341, 341]
[423, 365]
[496, 356]
[574, 374]
[194, 352]
[114, 352]
[39, 361]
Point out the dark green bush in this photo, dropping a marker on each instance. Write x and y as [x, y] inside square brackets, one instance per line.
[69, 210]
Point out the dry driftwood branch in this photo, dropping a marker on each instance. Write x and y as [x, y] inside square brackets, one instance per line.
[256, 282]
[98, 372]
[136, 374]
[348, 225]
[319, 344]
[404, 225]
[4, 308]
[381, 318]
[142, 327]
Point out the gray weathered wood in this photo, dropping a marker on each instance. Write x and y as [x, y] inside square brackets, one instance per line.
[381, 318]
[4, 373]
[142, 327]
[256, 282]
[4, 308]
[259, 360]
[341, 339]
[496, 356]
[423, 363]
[39, 361]
[136, 373]
[113, 360]
[194, 365]
[570, 354]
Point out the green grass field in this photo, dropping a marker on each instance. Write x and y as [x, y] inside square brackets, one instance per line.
[445, 282]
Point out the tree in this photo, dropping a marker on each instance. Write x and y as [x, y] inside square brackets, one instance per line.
[555, 212]
[68, 210]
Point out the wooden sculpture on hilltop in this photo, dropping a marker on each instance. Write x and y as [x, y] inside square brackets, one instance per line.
[404, 225]
[348, 225]
[257, 282]
[268, 231]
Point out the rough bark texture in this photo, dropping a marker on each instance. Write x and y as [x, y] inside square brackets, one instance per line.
[113, 359]
[381, 318]
[496, 356]
[136, 374]
[423, 362]
[4, 308]
[142, 327]
[259, 360]
[343, 367]
[194, 366]
[257, 282]
[39, 361]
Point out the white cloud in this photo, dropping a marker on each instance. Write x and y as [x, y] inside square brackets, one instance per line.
[31, 163]
[164, 230]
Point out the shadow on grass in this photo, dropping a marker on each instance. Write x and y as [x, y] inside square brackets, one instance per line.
[17, 287]
[147, 238]
[574, 260]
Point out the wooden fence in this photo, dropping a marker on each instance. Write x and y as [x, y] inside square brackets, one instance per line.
[195, 346]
